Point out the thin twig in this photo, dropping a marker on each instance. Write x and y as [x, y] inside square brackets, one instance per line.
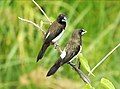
[56, 46]
[81, 74]
[36, 25]
[104, 58]
[42, 11]
[59, 49]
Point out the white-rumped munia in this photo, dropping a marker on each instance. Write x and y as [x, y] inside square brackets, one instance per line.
[53, 34]
[72, 49]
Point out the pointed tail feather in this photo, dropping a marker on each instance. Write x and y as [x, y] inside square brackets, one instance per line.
[54, 68]
[42, 51]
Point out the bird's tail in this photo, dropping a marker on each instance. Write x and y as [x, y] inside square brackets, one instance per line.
[54, 68]
[42, 51]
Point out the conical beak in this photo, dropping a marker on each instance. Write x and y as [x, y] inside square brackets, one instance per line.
[85, 31]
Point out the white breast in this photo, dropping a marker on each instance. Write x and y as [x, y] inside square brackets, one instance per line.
[58, 37]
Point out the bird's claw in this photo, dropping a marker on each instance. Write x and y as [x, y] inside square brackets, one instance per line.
[71, 63]
[56, 45]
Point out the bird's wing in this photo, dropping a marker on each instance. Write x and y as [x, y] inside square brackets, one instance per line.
[54, 30]
[71, 53]
[47, 34]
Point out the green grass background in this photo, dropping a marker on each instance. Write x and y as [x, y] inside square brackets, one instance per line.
[20, 43]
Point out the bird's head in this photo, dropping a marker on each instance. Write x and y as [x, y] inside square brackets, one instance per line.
[78, 33]
[82, 32]
[62, 19]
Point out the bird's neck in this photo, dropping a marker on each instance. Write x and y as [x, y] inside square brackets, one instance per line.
[77, 40]
[63, 24]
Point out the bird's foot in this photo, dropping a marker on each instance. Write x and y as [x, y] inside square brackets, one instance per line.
[56, 45]
[71, 63]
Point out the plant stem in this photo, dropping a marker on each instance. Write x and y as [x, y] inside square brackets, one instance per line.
[42, 11]
[36, 25]
[80, 73]
[104, 58]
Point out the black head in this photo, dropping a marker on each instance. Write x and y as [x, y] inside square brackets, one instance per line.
[82, 32]
[62, 19]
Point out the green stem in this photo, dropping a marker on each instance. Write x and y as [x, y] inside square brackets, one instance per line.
[104, 58]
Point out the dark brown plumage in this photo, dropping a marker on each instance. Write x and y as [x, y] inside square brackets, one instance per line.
[73, 47]
[53, 34]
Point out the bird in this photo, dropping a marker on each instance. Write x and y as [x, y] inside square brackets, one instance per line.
[53, 34]
[72, 49]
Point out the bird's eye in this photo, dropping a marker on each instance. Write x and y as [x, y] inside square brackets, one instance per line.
[82, 31]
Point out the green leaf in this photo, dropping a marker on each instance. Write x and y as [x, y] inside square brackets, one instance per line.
[88, 86]
[84, 63]
[107, 83]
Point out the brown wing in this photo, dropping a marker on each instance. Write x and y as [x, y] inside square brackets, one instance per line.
[54, 30]
[71, 52]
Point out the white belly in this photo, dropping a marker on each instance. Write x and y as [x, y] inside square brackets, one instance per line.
[58, 37]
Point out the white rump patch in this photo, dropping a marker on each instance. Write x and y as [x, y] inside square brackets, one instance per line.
[63, 54]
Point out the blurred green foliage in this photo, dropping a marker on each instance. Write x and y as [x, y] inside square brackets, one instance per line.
[20, 42]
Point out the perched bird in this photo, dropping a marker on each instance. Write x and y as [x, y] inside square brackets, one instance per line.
[70, 52]
[53, 34]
